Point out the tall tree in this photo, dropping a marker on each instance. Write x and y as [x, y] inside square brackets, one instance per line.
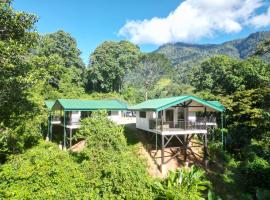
[19, 125]
[222, 75]
[16, 39]
[62, 44]
[109, 64]
[152, 67]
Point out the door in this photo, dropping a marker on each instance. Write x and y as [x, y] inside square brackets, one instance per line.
[169, 118]
[169, 115]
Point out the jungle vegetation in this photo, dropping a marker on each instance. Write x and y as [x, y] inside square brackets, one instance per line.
[36, 67]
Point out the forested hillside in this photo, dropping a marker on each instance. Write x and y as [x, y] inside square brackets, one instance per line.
[36, 67]
[183, 54]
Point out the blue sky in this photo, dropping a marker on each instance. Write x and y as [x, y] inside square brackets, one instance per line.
[148, 23]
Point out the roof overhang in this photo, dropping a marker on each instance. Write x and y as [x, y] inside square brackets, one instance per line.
[219, 108]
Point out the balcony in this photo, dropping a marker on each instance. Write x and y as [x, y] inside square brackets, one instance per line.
[165, 126]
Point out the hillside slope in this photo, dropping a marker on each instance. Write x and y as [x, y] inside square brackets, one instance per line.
[185, 54]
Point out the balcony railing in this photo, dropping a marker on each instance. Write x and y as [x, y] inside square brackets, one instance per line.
[179, 125]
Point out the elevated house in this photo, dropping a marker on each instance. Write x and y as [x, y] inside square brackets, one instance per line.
[68, 113]
[178, 118]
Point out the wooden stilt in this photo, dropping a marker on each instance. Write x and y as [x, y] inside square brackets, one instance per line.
[65, 134]
[163, 165]
[70, 137]
[205, 151]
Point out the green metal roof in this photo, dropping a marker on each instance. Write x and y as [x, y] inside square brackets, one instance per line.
[49, 104]
[163, 103]
[77, 104]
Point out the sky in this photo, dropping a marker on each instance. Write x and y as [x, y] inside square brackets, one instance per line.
[149, 23]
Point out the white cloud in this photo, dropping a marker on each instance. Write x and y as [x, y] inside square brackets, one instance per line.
[261, 20]
[192, 20]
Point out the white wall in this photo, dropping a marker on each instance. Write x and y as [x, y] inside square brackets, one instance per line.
[192, 116]
[115, 116]
[143, 123]
[75, 116]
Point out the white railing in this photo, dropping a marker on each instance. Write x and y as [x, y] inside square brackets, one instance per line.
[181, 125]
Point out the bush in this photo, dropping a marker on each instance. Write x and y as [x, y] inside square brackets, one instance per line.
[44, 172]
[101, 133]
[113, 170]
[256, 172]
[183, 184]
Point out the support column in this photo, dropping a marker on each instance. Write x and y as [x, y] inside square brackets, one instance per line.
[205, 151]
[222, 133]
[156, 129]
[205, 118]
[185, 117]
[185, 149]
[65, 134]
[70, 137]
[48, 133]
[162, 112]
[51, 127]
[163, 166]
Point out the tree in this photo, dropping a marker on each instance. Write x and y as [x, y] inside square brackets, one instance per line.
[109, 63]
[263, 48]
[152, 68]
[16, 39]
[222, 75]
[63, 45]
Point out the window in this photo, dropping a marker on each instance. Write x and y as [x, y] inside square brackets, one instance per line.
[181, 115]
[85, 114]
[159, 114]
[142, 114]
[109, 113]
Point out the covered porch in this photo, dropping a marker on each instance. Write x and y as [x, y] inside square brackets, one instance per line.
[175, 124]
[67, 114]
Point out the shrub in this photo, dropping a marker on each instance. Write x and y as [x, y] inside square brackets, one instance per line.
[183, 184]
[256, 172]
[113, 170]
[101, 133]
[44, 172]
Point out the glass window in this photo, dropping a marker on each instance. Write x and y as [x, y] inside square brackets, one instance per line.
[109, 113]
[142, 114]
[181, 115]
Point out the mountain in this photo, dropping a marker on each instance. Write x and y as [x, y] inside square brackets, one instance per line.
[185, 54]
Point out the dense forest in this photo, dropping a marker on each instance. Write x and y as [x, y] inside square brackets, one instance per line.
[35, 67]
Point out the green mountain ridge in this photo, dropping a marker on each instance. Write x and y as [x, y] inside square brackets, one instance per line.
[185, 54]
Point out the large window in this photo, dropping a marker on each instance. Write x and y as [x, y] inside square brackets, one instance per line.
[142, 114]
[181, 115]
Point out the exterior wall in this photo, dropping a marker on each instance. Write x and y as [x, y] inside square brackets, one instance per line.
[75, 117]
[115, 116]
[143, 123]
[192, 116]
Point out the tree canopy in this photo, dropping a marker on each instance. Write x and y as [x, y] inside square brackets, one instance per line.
[109, 64]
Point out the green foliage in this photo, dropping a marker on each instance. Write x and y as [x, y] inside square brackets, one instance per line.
[19, 106]
[222, 75]
[102, 133]
[114, 171]
[62, 44]
[183, 184]
[109, 63]
[153, 67]
[262, 194]
[257, 173]
[44, 172]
